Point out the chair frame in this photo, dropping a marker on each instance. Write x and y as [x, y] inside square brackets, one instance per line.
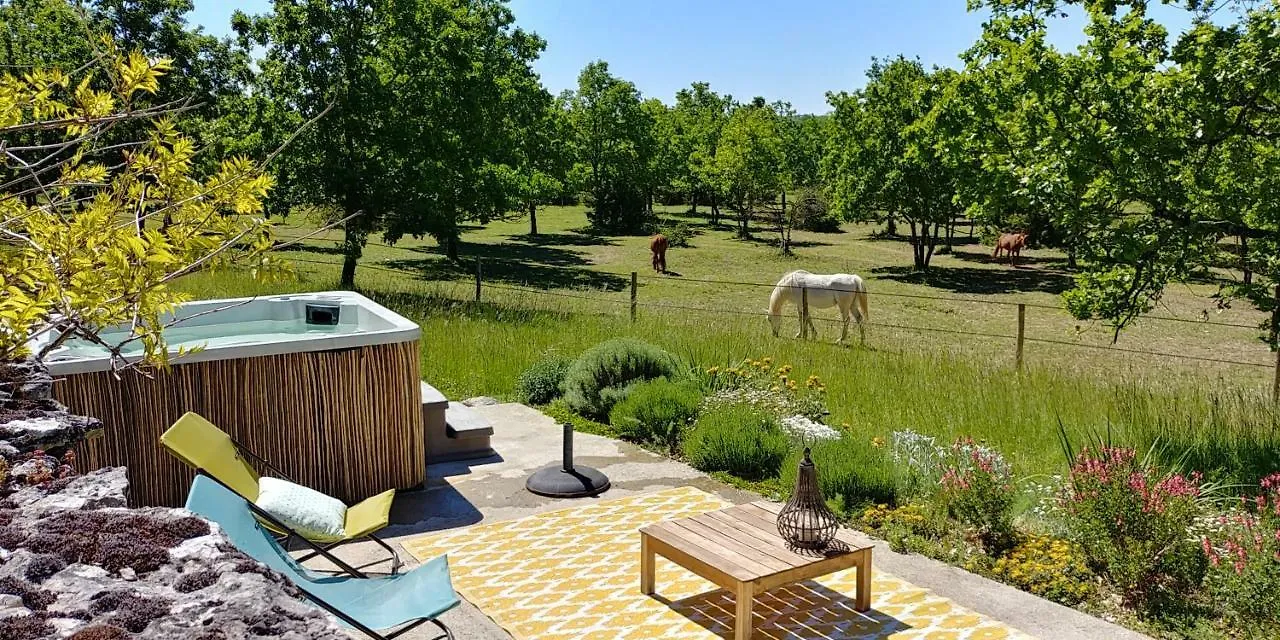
[321, 550]
[318, 549]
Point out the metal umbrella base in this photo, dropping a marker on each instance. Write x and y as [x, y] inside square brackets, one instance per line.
[567, 480]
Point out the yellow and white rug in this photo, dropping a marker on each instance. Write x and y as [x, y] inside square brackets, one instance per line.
[575, 573]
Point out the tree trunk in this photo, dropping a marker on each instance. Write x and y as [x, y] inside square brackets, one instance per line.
[693, 196]
[951, 234]
[1244, 260]
[533, 219]
[891, 229]
[715, 211]
[352, 248]
[784, 229]
[917, 256]
[1071, 257]
[451, 245]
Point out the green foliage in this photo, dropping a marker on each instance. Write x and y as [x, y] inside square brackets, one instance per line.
[678, 234]
[1244, 556]
[444, 140]
[700, 115]
[82, 257]
[739, 439]
[1192, 116]
[751, 160]
[882, 161]
[601, 376]
[1048, 567]
[543, 382]
[1133, 523]
[813, 213]
[976, 489]
[851, 473]
[657, 412]
[613, 134]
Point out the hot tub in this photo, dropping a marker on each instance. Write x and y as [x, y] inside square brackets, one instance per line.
[324, 385]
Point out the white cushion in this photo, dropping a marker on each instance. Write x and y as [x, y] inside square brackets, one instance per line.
[308, 512]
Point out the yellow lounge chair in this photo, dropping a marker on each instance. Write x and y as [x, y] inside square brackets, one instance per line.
[213, 453]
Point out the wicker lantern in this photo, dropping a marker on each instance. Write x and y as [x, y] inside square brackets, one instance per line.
[805, 521]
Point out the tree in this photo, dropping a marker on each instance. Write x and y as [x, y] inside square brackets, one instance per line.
[544, 156]
[425, 100]
[613, 136]
[700, 114]
[1167, 150]
[209, 76]
[751, 162]
[75, 254]
[883, 160]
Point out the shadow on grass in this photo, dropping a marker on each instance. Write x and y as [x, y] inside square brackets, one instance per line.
[417, 303]
[774, 242]
[323, 247]
[513, 263]
[974, 280]
[985, 258]
[572, 239]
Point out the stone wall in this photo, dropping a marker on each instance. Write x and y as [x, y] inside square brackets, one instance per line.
[75, 563]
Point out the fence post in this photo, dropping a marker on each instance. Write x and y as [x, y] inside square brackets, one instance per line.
[1275, 346]
[804, 313]
[633, 297]
[477, 279]
[1022, 332]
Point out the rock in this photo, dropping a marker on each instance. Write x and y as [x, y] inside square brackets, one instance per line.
[100, 489]
[480, 401]
[30, 418]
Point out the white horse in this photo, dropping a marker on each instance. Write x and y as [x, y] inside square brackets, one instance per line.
[842, 290]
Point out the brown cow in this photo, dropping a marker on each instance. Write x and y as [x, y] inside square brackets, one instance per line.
[658, 246]
[1011, 244]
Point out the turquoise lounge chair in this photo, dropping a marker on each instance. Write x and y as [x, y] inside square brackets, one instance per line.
[400, 602]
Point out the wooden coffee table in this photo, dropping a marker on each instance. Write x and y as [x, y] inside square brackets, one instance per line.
[739, 549]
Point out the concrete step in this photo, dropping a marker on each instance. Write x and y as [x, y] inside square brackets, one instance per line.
[431, 395]
[461, 422]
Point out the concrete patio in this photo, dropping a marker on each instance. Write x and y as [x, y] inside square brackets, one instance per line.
[459, 494]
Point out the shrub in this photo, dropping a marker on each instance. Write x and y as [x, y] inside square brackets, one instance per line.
[777, 391]
[1134, 525]
[542, 382]
[976, 488]
[851, 473]
[658, 412]
[1048, 567]
[678, 234]
[600, 377]
[1244, 557]
[738, 439]
[814, 213]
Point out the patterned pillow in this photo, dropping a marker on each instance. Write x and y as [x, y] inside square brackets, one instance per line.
[312, 514]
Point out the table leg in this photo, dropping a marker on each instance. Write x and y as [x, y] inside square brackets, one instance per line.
[862, 596]
[646, 566]
[742, 622]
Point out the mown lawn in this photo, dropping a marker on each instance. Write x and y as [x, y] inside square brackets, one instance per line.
[565, 290]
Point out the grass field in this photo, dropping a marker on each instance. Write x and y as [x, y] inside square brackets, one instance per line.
[565, 290]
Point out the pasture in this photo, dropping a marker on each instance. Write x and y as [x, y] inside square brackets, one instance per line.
[567, 289]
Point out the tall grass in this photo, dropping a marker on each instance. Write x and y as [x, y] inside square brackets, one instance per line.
[481, 348]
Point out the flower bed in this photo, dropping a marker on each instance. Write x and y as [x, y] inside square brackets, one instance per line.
[1115, 535]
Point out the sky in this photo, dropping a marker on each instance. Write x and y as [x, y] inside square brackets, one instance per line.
[795, 50]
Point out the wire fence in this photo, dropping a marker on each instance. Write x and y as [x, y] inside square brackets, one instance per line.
[634, 303]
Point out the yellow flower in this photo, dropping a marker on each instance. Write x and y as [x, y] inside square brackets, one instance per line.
[713, 370]
[784, 369]
[844, 424]
[791, 384]
[877, 442]
[767, 361]
[774, 388]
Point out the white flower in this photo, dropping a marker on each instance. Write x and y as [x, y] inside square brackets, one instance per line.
[807, 430]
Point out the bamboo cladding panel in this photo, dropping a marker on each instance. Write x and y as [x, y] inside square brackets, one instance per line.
[345, 422]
